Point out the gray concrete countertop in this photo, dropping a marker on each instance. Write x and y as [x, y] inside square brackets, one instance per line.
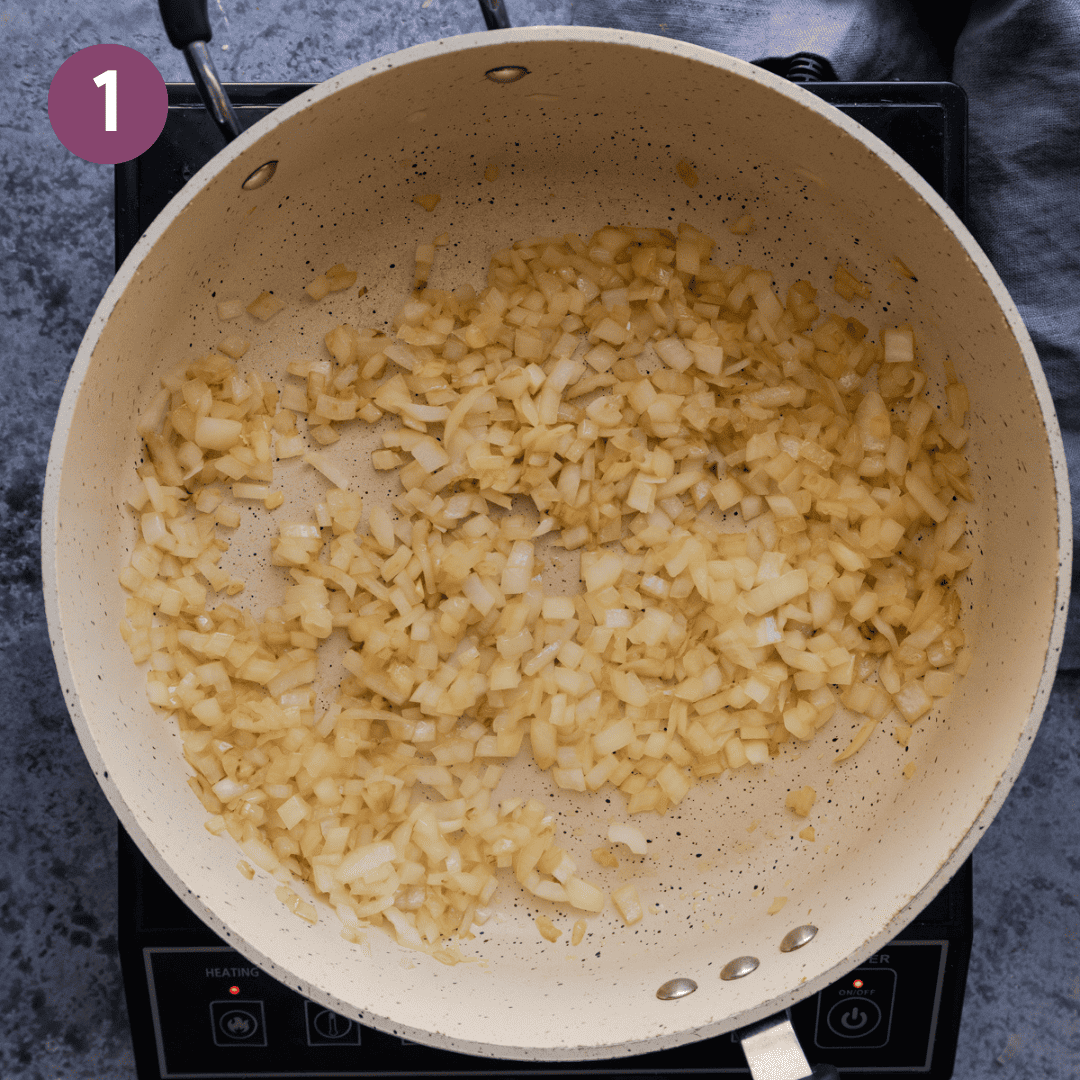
[62, 1011]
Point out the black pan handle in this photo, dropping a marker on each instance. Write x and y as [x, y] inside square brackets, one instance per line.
[185, 21]
[495, 15]
[188, 26]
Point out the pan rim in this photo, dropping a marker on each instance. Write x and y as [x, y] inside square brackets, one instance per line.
[52, 525]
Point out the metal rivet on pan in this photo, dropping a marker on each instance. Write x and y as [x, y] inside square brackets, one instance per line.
[510, 73]
[676, 988]
[260, 176]
[797, 938]
[739, 967]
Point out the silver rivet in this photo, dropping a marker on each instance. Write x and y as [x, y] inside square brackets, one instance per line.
[510, 73]
[739, 967]
[260, 176]
[676, 988]
[797, 938]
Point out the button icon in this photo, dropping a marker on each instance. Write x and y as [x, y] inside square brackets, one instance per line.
[854, 1020]
[238, 1023]
[330, 1025]
[853, 1017]
[328, 1028]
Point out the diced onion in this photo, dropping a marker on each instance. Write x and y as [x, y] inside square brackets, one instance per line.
[629, 905]
[629, 835]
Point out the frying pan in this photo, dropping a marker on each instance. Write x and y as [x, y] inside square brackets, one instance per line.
[591, 134]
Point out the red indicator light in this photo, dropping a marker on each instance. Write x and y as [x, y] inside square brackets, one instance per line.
[857, 984]
[234, 990]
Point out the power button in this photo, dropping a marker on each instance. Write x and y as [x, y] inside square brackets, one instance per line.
[856, 1013]
[852, 1018]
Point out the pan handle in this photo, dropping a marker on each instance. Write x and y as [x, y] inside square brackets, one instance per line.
[188, 27]
[495, 15]
[773, 1052]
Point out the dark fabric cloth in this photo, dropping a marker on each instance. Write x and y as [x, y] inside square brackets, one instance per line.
[864, 39]
[1019, 62]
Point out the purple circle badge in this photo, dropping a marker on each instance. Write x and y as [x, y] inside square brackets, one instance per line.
[107, 103]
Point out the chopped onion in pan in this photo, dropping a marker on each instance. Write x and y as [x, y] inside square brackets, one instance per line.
[764, 512]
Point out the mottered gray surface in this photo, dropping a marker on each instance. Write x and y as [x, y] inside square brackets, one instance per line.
[62, 1011]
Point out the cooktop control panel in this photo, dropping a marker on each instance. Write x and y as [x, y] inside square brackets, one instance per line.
[214, 1015]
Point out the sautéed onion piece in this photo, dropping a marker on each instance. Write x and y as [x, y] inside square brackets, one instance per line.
[763, 509]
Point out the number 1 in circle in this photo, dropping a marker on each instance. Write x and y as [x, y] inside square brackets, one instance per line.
[108, 80]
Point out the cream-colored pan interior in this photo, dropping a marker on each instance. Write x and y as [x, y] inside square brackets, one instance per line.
[590, 136]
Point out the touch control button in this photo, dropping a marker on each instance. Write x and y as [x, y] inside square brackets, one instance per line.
[238, 1023]
[327, 1028]
[856, 1012]
[853, 1017]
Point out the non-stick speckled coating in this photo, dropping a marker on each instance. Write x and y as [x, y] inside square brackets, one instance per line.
[592, 135]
